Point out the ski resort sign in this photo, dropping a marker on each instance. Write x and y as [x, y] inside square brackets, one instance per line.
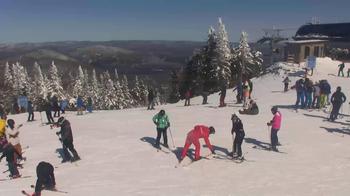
[311, 62]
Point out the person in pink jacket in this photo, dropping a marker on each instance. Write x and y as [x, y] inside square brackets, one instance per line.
[199, 131]
[275, 124]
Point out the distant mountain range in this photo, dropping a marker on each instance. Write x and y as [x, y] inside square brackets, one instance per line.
[149, 58]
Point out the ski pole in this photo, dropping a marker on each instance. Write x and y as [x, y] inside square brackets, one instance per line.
[171, 135]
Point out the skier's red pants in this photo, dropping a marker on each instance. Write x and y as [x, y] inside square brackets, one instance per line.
[187, 146]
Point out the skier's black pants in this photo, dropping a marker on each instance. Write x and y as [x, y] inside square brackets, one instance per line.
[286, 87]
[165, 137]
[274, 138]
[49, 117]
[335, 111]
[30, 116]
[205, 99]
[13, 168]
[68, 145]
[237, 143]
[57, 113]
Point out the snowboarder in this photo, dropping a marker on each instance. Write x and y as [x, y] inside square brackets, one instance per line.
[337, 99]
[238, 134]
[66, 137]
[150, 99]
[275, 124]
[89, 105]
[252, 109]
[161, 120]
[286, 83]
[13, 137]
[222, 96]
[199, 131]
[341, 68]
[46, 178]
[10, 152]
[30, 111]
[188, 96]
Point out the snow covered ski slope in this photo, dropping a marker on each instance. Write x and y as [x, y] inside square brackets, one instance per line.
[117, 158]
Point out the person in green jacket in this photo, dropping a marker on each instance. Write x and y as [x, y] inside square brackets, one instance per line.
[162, 122]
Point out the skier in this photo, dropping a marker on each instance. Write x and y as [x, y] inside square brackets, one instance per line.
[199, 131]
[89, 105]
[3, 139]
[239, 92]
[317, 93]
[348, 72]
[337, 99]
[250, 84]
[275, 124]
[286, 83]
[222, 96]
[246, 94]
[238, 134]
[63, 105]
[299, 87]
[325, 92]
[13, 137]
[308, 92]
[341, 68]
[66, 139]
[46, 178]
[252, 109]
[30, 111]
[80, 105]
[56, 107]
[150, 99]
[10, 152]
[188, 96]
[48, 109]
[161, 120]
[205, 94]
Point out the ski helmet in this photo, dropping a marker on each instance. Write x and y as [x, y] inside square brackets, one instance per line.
[211, 130]
[274, 109]
[61, 120]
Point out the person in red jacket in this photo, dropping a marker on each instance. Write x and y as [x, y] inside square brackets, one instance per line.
[199, 131]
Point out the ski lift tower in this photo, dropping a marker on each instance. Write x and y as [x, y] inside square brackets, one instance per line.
[274, 35]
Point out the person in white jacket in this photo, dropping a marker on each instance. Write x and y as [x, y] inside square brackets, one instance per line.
[13, 136]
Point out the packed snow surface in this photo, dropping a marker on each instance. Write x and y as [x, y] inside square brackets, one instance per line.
[115, 161]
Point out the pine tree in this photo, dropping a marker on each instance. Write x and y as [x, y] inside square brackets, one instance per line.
[136, 92]
[54, 82]
[143, 92]
[39, 90]
[8, 87]
[94, 88]
[222, 54]
[128, 101]
[78, 85]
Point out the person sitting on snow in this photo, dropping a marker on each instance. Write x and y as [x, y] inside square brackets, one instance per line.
[199, 131]
[10, 152]
[252, 109]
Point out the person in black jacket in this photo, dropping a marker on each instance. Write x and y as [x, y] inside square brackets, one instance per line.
[238, 134]
[48, 110]
[30, 111]
[222, 96]
[66, 137]
[46, 178]
[337, 99]
[9, 152]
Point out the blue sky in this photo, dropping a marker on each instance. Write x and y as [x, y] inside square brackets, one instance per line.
[99, 20]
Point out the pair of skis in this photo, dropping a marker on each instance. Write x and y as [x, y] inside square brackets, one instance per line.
[53, 190]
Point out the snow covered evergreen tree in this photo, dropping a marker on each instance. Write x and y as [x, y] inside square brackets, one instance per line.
[40, 89]
[128, 101]
[8, 87]
[136, 92]
[143, 92]
[222, 55]
[78, 85]
[54, 82]
[95, 90]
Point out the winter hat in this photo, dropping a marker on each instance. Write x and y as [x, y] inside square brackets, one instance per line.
[211, 130]
[338, 88]
[274, 109]
[235, 115]
[61, 120]
[162, 112]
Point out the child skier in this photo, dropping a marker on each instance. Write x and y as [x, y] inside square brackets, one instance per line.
[275, 124]
[286, 83]
[161, 120]
[199, 131]
[238, 134]
[10, 152]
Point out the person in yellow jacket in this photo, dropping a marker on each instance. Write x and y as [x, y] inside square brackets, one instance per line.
[3, 125]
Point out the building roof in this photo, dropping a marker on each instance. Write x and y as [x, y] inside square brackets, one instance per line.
[333, 31]
[308, 41]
